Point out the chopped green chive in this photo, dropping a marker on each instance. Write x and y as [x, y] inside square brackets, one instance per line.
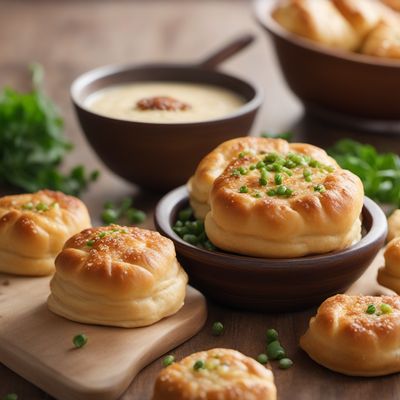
[370, 309]
[168, 360]
[319, 188]
[243, 189]
[199, 364]
[262, 358]
[278, 179]
[386, 308]
[79, 340]
[275, 351]
[314, 163]
[28, 206]
[272, 335]
[287, 171]
[264, 177]
[217, 328]
[102, 234]
[236, 172]
[257, 195]
[285, 363]
[90, 243]
[328, 168]
[42, 207]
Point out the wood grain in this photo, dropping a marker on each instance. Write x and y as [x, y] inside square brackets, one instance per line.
[37, 344]
[70, 37]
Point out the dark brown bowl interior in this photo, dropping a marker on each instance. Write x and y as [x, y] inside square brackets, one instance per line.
[272, 284]
[325, 79]
[159, 156]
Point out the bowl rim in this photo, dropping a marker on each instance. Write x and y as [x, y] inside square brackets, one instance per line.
[167, 203]
[113, 69]
[262, 12]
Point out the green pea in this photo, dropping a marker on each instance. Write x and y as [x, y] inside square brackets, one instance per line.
[272, 335]
[257, 195]
[109, 216]
[10, 396]
[168, 360]
[185, 215]
[217, 328]
[289, 192]
[277, 167]
[370, 309]
[252, 167]
[270, 158]
[236, 172]
[296, 158]
[28, 206]
[271, 192]
[278, 179]
[190, 238]
[242, 154]
[275, 351]
[386, 308]
[281, 190]
[42, 207]
[243, 189]
[80, 340]
[178, 224]
[260, 165]
[262, 358]
[243, 171]
[314, 163]
[328, 168]
[290, 164]
[209, 246]
[287, 171]
[285, 363]
[199, 364]
[136, 216]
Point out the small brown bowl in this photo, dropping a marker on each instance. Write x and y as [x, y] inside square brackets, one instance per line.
[334, 83]
[159, 156]
[272, 284]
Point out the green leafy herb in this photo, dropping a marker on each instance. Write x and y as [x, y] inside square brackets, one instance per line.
[32, 144]
[379, 172]
[112, 213]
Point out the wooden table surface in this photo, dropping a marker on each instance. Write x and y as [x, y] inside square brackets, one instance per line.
[70, 37]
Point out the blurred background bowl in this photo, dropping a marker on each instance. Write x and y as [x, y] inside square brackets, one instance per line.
[160, 156]
[333, 83]
[272, 284]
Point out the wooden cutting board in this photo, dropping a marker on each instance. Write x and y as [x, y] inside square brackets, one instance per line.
[37, 344]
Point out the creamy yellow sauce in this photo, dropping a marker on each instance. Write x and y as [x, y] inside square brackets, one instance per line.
[206, 102]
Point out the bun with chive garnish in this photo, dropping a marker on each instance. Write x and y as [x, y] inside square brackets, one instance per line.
[34, 228]
[117, 276]
[291, 202]
[215, 374]
[356, 335]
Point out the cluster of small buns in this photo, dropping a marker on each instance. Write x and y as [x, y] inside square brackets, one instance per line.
[225, 374]
[366, 26]
[268, 198]
[119, 276]
[356, 335]
[34, 227]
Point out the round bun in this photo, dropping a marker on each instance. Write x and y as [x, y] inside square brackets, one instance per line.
[34, 228]
[344, 337]
[227, 375]
[214, 163]
[393, 225]
[288, 203]
[389, 275]
[117, 276]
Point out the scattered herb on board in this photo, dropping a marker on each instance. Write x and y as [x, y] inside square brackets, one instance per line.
[217, 328]
[32, 143]
[275, 351]
[379, 172]
[192, 230]
[168, 360]
[112, 212]
[79, 340]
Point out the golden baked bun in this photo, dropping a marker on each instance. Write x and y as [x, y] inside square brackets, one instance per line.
[393, 225]
[214, 163]
[317, 20]
[383, 41]
[395, 4]
[117, 276]
[226, 375]
[286, 204]
[34, 228]
[362, 15]
[389, 275]
[356, 335]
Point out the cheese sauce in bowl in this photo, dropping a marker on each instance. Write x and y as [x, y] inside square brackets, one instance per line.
[164, 102]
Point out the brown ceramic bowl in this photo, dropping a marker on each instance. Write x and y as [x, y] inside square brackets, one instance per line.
[162, 156]
[272, 284]
[332, 82]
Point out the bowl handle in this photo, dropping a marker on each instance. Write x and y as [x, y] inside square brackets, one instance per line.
[227, 51]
